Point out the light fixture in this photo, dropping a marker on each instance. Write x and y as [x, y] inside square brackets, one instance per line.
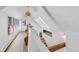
[63, 36]
[27, 13]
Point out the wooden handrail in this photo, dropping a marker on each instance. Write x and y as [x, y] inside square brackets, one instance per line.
[26, 36]
[56, 47]
[11, 42]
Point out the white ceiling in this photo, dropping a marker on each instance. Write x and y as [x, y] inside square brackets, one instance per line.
[66, 16]
[48, 23]
[15, 11]
[2, 7]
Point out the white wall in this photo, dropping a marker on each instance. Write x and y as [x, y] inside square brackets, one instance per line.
[32, 45]
[3, 29]
[5, 39]
[66, 16]
[55, 39]
[72, 41]
[16, 12]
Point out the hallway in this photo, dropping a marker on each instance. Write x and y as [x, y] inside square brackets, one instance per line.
[18, 45]
[47, 28]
